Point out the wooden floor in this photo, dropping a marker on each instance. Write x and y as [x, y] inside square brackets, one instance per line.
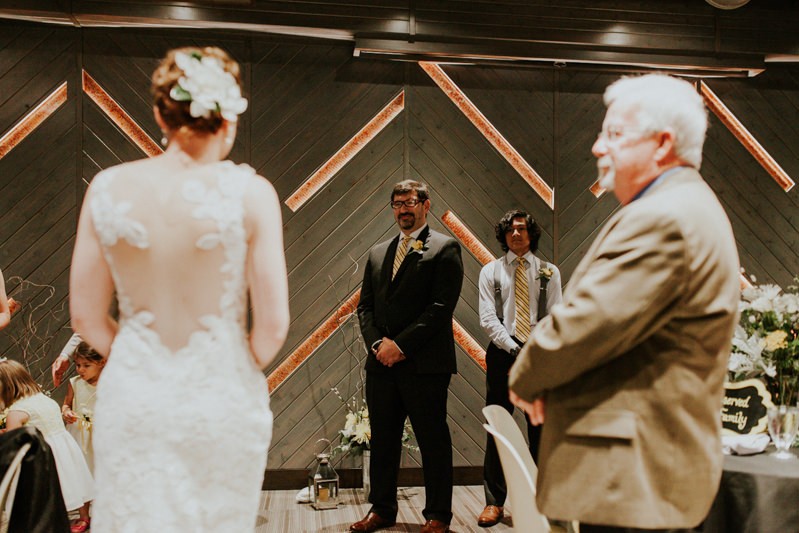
[280, 514]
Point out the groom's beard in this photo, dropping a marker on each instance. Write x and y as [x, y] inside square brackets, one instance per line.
[607, 172]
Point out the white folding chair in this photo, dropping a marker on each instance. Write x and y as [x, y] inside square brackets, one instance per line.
[520, 481]
[8, 487]
[497, 416]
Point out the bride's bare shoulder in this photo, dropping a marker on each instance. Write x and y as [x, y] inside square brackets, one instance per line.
[129, 170]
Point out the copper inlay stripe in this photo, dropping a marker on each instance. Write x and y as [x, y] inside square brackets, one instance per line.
[314, 341]
[346, 153]
[469, 240]
[596, 189]
[33, 119]
[469, 345]
[488, 130]
[746, 138]
[119, 116]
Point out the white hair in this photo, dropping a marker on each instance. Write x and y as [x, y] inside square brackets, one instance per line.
[662, 102]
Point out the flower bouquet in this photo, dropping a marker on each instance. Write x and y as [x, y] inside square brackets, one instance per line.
[357, 432]
[765, 343]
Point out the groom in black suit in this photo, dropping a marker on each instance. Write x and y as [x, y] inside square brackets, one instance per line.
[410, 287]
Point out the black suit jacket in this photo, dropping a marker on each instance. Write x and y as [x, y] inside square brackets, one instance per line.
[415, 308]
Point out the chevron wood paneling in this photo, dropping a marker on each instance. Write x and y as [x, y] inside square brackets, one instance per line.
[37, 188]
[308, 98]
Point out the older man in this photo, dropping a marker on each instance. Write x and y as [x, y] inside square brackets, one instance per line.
[411, 285]
[629, 370]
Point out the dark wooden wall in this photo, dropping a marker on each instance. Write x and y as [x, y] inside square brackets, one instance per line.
[308, 98]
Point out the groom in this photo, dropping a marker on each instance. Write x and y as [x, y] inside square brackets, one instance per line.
[410, 287]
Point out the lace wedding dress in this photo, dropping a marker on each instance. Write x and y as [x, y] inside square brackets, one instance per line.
[182, 422]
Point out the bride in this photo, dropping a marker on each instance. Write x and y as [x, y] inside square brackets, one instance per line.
[182, 422]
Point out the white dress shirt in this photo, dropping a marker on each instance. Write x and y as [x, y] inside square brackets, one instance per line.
[500, 333]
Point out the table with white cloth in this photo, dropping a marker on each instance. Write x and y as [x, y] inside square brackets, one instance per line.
[758, 494]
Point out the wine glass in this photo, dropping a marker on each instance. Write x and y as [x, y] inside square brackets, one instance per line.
[783, 423]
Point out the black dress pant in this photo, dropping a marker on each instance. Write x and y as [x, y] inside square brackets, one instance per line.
[498, 363]
[392, 396]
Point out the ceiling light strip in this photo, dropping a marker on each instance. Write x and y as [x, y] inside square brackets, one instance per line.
[33, 119]
[314, 341]
[745, 137]
[326, 172]
[469, 344]
[469, 240]
[119, 117]
[491, 133]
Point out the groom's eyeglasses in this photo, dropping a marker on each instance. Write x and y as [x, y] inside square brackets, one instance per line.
[410, 202]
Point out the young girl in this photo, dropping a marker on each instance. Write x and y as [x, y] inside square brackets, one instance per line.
[28, 405]
[78, 408]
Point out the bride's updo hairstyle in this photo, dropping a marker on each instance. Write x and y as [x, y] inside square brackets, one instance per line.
[198, 88]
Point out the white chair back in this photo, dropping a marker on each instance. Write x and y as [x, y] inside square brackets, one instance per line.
[497, 416]
[521, 485]
[8, 486]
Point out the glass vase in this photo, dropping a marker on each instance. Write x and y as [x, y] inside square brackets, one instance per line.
[367, 482]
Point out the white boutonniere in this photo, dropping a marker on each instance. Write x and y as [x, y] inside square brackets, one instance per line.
[418, 246]
[545, 273]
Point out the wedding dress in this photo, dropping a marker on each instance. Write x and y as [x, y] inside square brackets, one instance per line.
[182, 421]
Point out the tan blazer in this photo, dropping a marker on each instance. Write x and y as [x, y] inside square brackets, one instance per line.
[633, 364]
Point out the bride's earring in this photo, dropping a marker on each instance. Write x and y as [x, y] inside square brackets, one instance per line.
[164, 139]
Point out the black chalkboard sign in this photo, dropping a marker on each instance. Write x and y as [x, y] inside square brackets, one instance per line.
[744, 408]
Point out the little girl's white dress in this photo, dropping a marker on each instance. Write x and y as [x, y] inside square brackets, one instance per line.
[83, 406]
[76, 481]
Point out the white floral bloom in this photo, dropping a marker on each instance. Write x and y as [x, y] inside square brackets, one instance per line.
[771, 370]
[363, 433]
[739, 363]
[208, 86]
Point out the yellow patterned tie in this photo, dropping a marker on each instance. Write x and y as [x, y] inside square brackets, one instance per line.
[522, 298]
[402, 251]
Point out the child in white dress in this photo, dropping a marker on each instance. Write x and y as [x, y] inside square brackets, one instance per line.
[27, 405]
[78, 408]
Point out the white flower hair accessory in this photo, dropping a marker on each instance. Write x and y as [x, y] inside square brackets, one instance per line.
[208, 86]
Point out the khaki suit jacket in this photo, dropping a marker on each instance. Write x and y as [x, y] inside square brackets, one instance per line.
[633, 363]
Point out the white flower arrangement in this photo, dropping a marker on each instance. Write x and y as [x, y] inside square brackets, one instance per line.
[357, 432]
[208, 86]
[765, 343]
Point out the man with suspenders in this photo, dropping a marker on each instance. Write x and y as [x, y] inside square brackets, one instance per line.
[516, 291]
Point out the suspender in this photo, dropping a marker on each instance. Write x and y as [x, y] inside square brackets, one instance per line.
[542, 294]
[498, 291]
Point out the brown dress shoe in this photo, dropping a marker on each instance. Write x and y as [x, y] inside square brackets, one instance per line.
[372, 522]
[434, 526]
[490, 516]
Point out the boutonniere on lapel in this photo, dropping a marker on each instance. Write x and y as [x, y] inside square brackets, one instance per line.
[418, 247]
[545, 273]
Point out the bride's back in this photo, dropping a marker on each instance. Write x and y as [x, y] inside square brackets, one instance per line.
[175, 239]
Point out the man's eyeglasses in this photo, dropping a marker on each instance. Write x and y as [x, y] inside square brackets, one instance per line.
[410, 202]
[614, 133]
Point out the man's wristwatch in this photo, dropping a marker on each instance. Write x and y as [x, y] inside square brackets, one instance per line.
[515, 351]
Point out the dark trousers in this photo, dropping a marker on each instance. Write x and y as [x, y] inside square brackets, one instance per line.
[391, 396]
[591, 528]
[498, 363]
